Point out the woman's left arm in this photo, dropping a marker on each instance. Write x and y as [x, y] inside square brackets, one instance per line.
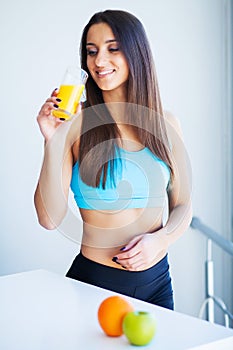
[179, 193]
[145, 249]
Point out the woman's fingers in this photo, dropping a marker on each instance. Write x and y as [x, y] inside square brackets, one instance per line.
[50, 104]
[55, 92]
[79, 108]
[140, 252]
[131, 261]
[47, 122]
[53, 99]
[46, 109]
[133, 264]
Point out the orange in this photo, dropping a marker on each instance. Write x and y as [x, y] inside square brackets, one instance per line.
[111, 313]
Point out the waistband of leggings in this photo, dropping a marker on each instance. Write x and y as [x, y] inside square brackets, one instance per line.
[124, 276]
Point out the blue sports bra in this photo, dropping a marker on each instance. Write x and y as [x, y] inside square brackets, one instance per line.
[141, 180]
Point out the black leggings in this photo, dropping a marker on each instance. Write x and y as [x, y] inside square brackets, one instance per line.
[152, 285]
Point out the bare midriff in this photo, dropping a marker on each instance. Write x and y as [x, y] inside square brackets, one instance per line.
[106, 232]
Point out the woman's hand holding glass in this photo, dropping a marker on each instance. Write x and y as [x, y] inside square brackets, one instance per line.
[47, 122]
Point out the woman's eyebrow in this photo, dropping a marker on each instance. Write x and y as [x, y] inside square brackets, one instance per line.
[106, 42]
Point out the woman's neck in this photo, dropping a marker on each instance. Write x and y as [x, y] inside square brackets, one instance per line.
[117, 95]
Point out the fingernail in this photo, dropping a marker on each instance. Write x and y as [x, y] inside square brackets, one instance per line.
[114, 259]
[123, 248]
[55, 106]
[58, 99]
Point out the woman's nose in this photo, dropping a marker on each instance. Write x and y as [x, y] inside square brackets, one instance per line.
[101, 59]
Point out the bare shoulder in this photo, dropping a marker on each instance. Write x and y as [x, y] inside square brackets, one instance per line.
[172, 120]
[172, 124]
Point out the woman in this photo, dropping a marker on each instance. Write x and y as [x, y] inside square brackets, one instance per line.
[124, 159]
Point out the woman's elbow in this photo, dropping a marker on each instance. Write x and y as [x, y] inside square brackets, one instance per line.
[47, 224]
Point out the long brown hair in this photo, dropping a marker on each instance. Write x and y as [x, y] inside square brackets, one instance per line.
[98, 127]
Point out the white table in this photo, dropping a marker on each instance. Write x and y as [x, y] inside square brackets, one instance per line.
[40, 310]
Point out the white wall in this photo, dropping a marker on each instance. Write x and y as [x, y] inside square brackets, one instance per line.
[39, 39]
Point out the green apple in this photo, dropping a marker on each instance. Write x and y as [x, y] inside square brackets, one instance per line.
[139, 327]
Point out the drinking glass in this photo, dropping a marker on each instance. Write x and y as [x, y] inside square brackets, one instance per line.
[70, 92]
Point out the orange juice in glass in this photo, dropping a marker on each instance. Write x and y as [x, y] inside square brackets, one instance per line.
[70, 92]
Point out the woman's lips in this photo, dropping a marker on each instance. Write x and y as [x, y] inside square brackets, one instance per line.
[105, 72]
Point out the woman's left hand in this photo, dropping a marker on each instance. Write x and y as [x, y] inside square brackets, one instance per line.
[141, 252]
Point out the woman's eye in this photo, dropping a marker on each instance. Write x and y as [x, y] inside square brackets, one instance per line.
[91, 52]
[114, 49]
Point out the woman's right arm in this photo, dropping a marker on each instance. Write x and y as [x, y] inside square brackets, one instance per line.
[51, 195]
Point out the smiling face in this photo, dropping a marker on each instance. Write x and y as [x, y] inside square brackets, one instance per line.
[105, 61]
